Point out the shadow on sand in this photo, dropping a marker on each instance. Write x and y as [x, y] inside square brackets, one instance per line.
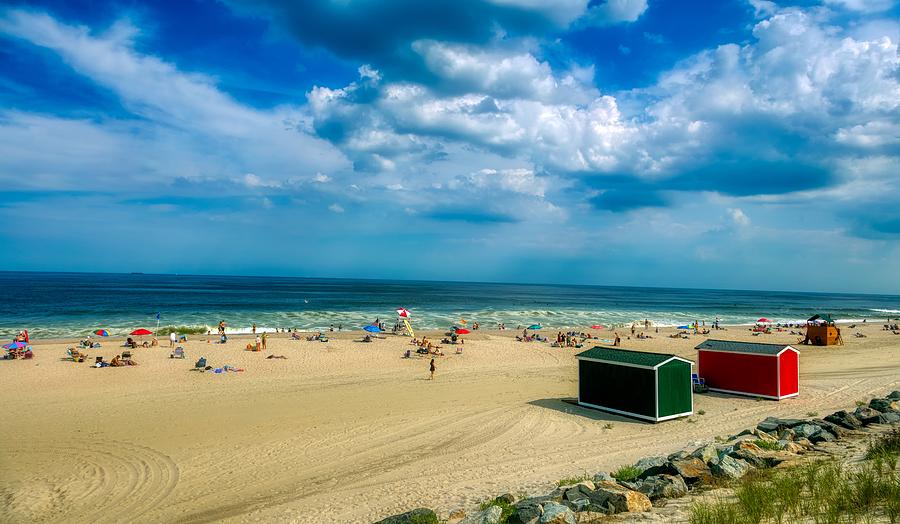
[570, 406]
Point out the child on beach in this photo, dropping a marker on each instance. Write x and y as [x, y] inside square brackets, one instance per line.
[432, 370]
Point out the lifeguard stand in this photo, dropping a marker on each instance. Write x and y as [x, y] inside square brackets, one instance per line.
[821, 331]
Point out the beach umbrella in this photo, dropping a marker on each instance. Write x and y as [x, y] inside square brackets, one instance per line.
[684, 327]
[462, 331]
[597, 326]
[372, 329]
[15, 345]
[534, 326]
[764, 320]
[102, 333]
[141, 332]
[403, 312]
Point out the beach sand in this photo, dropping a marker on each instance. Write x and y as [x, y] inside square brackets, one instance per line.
[350, 432]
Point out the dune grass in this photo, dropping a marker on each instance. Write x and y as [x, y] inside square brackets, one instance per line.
[183, 330]
[822, 492]
[627, 473]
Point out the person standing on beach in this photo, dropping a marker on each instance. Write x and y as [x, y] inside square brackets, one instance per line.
[618, 340]
[432, 370]
[254, 329]
[258, 343]
[173, 338]
[264, 337]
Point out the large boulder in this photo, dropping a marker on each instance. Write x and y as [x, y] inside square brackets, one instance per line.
[416, 516]
[890, 417]
[790, 447]
[692, 470]
[844, 420]
[528, 511]
[807, 431]
[730, 467]
[894, 395]
[663, 487]
[651, 465]
[884, 404]
[868, 415]
[618, 499]
[490, 515]
[775, 424]
[830, 427]
[706, 453]
[556, 514]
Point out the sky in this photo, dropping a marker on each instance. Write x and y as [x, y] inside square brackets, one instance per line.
[729, 144]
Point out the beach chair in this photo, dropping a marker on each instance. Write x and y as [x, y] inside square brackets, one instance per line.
[201, 364]
[698, 384]
[178, 353]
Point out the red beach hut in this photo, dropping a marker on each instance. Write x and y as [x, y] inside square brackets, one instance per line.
[749, 368]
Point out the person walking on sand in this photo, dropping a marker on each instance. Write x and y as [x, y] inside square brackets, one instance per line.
[618, 340]
[258, 343]
[264, 337]
[432, 370]
[173, 338]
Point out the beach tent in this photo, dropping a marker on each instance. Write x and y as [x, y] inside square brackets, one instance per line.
[821, 331]
[647, 386]
[750, 368]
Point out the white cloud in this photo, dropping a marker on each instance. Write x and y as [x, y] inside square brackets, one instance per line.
[876, 6]
[336, 208]
[321, 178]
[615, 12]
[738, 217]
[188, 128]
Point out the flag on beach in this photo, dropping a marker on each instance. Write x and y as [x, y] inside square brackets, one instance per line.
[157, 316]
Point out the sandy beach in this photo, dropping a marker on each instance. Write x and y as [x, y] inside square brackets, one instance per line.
[350, 432]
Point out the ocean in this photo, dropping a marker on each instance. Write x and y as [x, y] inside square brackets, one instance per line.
[56, 305]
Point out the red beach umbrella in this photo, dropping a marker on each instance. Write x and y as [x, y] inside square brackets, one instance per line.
[763, 320]
[597, 326]
[141, 331]
[403, 312]
[462, 331]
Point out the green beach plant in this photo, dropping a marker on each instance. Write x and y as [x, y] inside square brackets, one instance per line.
[626, 473]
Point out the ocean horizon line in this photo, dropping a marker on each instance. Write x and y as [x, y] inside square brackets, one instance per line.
[444, 281]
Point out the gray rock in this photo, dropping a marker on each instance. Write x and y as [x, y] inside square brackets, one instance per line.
[787, 434]
[834, 429]
[844, 420]
[706, 453]
[590, 517]
[890, 417]
[556, 514]
[807, 430]
[894, 395]
[647, 463]
[416, 516]
[730, 467]
[822, 436]
[663, 486]
[603, 477]
[867, 415]
[629, 485]
[678, 455]
[528, 511]
[885, 405]
[488, 516]
[774, 424]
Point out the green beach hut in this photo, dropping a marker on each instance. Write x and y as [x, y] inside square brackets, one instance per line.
[648, 386]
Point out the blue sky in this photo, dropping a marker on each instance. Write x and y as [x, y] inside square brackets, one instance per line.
[736, 144]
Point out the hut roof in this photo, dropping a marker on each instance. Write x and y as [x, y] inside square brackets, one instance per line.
[822, 316]
[629, 357]
[756, 348]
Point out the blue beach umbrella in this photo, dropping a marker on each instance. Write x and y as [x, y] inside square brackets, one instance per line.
[372, 329]
[15, 345]
[684, 327]
[534, 326]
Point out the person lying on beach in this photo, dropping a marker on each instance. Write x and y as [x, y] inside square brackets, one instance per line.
[296, 336]
[116, 362]
[366, 338]
[277, 356]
